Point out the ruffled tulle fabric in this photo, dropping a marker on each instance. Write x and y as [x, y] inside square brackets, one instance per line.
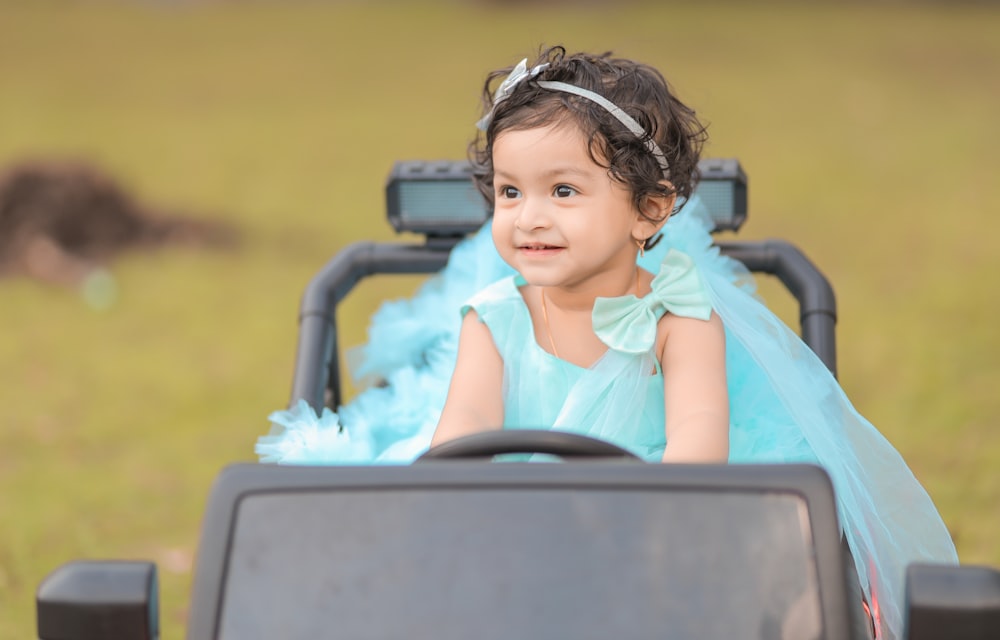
[404, 369]
[785, 406]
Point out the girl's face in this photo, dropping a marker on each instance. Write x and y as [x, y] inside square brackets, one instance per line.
[559, 219]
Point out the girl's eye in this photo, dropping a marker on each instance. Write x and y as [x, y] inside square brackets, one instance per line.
[564, 191]
[509, 192]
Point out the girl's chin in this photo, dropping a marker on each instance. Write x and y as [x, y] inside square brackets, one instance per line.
[535, 279]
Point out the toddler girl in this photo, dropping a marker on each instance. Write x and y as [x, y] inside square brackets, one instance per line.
[592, 325]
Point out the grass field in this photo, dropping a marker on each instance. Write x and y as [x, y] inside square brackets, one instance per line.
[870, 135]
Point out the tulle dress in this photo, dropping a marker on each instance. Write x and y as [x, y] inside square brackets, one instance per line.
[619, 398]
[785, 405]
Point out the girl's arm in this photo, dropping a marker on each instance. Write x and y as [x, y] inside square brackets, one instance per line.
[696, 399]
[475, 396]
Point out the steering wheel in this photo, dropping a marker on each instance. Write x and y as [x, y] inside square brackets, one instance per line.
[558, 443]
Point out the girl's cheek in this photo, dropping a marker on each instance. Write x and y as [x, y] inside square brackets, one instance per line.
[497, 228]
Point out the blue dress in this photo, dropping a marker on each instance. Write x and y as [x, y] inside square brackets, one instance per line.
[619, 398]
[785, 405]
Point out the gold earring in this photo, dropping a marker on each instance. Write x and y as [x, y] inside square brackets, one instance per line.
[642, 247]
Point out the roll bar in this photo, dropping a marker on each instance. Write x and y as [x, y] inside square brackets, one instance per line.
[317, 366]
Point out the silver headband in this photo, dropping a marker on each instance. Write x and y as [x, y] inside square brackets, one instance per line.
[521, 73]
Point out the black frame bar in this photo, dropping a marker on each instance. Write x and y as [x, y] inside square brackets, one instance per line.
[317, 365]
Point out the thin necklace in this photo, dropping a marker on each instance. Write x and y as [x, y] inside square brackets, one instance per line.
[545, 313]
[545, 319]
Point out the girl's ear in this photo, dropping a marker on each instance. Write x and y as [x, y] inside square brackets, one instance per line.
[655, 210]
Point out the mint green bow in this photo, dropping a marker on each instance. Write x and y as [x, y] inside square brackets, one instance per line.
[628, 323]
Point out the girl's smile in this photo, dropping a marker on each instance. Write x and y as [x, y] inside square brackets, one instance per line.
[536, 250]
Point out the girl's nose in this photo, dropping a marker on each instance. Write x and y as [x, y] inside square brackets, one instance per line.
[532, 214]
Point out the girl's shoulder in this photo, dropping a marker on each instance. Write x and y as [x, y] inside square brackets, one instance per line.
[687, 329]
[497, 302]
[503, 291]
[502, 309]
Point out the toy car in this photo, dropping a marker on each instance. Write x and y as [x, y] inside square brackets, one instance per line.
[602, 546]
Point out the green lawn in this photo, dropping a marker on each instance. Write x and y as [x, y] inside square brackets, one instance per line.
[870, 135]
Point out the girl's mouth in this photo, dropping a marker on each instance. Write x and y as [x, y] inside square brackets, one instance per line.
[535, 246]
[538, 250]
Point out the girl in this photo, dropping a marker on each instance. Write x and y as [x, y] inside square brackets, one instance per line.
[578, 190]
[585, 158]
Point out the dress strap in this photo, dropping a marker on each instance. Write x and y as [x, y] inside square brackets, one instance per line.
[628, 324]
[501, 308]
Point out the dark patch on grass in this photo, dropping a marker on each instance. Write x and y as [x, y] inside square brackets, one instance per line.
[60, 221]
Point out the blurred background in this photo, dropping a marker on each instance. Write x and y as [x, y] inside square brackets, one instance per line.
[868, 130]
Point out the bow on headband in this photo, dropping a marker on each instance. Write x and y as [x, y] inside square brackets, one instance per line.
[517, 75]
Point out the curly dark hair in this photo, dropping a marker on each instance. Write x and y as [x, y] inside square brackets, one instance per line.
[638, 89]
